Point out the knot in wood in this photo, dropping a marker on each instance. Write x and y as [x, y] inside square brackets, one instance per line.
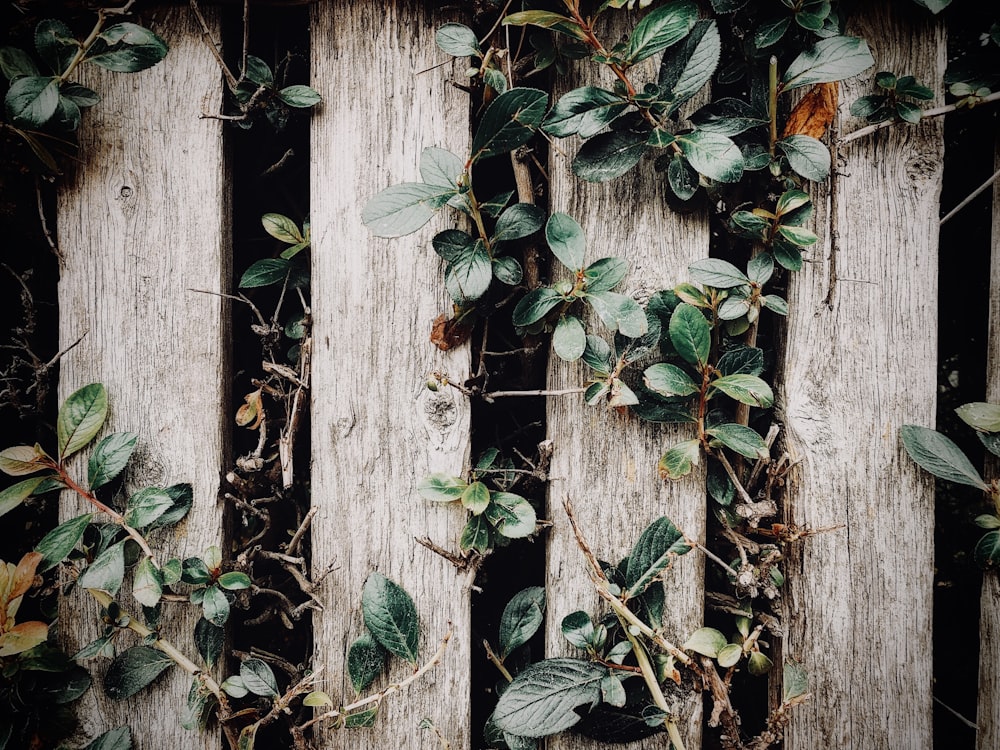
[440, 410]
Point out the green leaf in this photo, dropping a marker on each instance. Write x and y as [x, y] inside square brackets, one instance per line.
[569, 340]
[507, 270]
[451, 244]
[791, 200]
[795, 681]
[468, 276]
[234, 687]
[727, 116]
[109, 458]
[209, 638]
[775, 304]
[706, 641]
[578, 629]
[535, 305]
[806, 156]
[477, 535]
[605, 274]
[584, 111]
[258, 678]
[441, 488]
[299, 96]
[59, 542]
[361, 719]
[669, 380]
[198, 707]
[662, 27]
[908, 112]
[55, 44]
[259, 72]
[770, 32]
[518, 221]
[690, 334]
[980, 416]
[546, 20]
[987, 551]
[713, 155]
[610, 155]
[511, 515]
[987, 521]
[690, 65]
[509, 122]
[619, 313]
[940, 456]
[248, 737]
[147, 585]
[440, 167]
[760, 268]
[831, 59]
[390, 616]
[990, 441]
[106, 572]
[215, 605]
[32, 101]
[81, 418]
[739, 438]
[147, 505]
[234, 581]
[680, 460]
[127, 48]
[730, 655]
[566, 239]
[787, 255]
[759, 664]
[195, 572]
[598, 355]
[653, 552]
[521, 619]
[404, 208]
[13, 496]
[182, 497]
[542, 699]
[317, 699]
[265, 272]
[134, 669]
[281, 228]
[476, 498]
[458, 40]
[742, 360]
[747, 389]
[717, 273]
[16, 63]
[119, 738]
[365, 661]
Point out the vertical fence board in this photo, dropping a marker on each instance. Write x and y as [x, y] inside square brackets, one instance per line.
[858, 600]
[143, 222]
[988, 714]
[605, 462]
[376, 428]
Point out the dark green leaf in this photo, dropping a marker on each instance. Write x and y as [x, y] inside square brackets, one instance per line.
[908, 112]
[234, 687]
[81, 418]
[619, 313]
[507, 270]
[457, 40]
[106, 571]
[680, 460]
[365, 661]
[605, 274]
[610, 155]
[13, 496]
[598, 355]
[55, 44]
[509, 122]
[209, 639]
[511, 515]
[259, 72]
[690, 334]
[739, 438]
[477, 535]
[682, 177]
[987, 551]
[518, 221]
[760, 268]
[569, 339]
[990, 441]
[15, 63]
[742, 360]
[727, 116]
[134, 669]
[299, 96]
[468, 276]
[127, 48]
[109, 458]
[871, 108]
[440, 167]
[770, 32]
[265, 272]
[182, 497]
[585, 111]
[147, 505]
[521, 619]
[258, 678]
[775, 304]
[147, 585]
[669, 380]
[940, 456]
[199, 706]
[234, 581]
[31, 101]
[831, 59]
[734, 307]
[542, 699]
[980, 416]
[690, 65]
[662, 27]
[713, 155]
[578, 629]
[806, 156]
[452, 244]
[720, 486]
[441, 488]
[195, 572]
[361, 719]
[215, 605]
[404, 208]
[113, 739]
[717, 273]
[566, 239]
[59, 542]
[787, 255]
[495, 205]
[654, 551]
[535, 305]
[390, 616]
[747, 389]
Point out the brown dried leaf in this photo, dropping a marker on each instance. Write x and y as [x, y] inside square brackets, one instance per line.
[252, 412]
[447, 333]
[814, 113]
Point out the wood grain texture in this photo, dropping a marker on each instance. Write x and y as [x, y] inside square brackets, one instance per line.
[604, 461]
[143, 221]
[858, 600]
[376, 428]
[988, 714]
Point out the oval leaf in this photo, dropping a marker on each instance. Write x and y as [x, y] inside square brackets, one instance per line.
[511, 515]
[690, 334]
[509, 122]
[59, 542]
[705, 641]
[714, 155]
[569, 339]
[134, 669]
[535, 305]
[747, 389]
[566, 239]
[258, 678]
[653, 552]
[669, 380]
[831, 59]
[542, 699]
[109, 458]
[741, 439]
[980, 416]
[521, 619]
[390, 616]
[81, 418]
[458, 40]
[806, 156]
[940, 456]
[402, 209]
[441, 488]
[365, 661]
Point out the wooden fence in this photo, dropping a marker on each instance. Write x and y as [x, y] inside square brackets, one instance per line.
[147, 219]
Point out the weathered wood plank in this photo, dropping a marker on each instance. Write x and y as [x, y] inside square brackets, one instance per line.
[858, 600]
[604, 461]
[988, 714]
[376, 429]
[145, 220]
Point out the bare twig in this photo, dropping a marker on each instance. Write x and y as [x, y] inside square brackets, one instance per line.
[296, 539]
[971, 197]
[936, 112]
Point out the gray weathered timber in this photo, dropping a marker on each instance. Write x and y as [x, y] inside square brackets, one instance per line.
[142, 222]
[605, 461]
[858, 599]
[988, 714]
[376, 428]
